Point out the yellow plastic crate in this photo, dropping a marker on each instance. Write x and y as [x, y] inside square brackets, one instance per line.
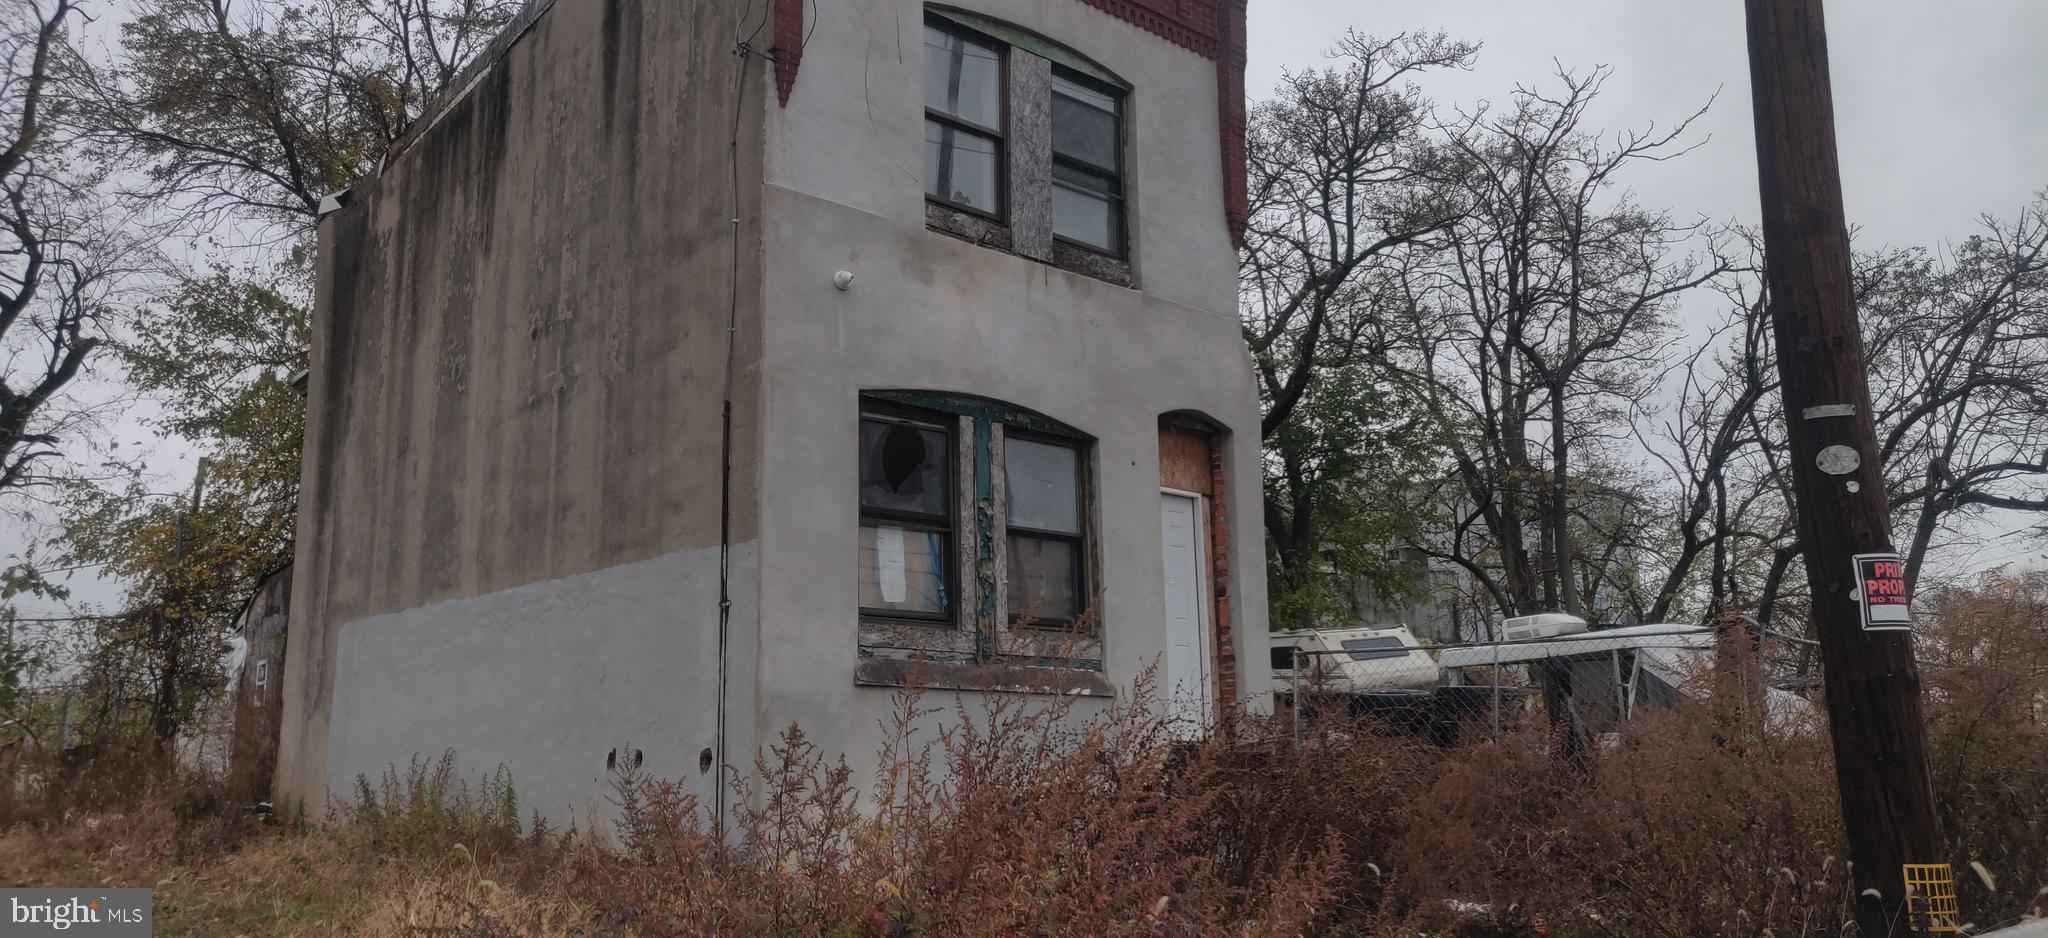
[1931, 897]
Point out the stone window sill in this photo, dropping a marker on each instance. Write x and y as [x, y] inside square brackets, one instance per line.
[984, 232]
[967, 226]
[997, 677]
[1091, 264]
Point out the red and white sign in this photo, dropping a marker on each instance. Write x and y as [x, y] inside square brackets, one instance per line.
[1881, 590]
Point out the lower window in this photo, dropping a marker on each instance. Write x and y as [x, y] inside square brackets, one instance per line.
[944, 482]
[1042, 498]
[906, 517]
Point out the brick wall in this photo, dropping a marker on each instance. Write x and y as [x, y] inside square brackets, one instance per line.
[789, 46]
[1219, 553]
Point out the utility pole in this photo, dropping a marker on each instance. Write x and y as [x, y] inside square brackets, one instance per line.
[169, 641]
[1859, 607]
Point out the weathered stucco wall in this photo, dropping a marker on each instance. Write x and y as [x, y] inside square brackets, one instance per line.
[510, 512]
[928, 311]
[853, 132]
[509, 520]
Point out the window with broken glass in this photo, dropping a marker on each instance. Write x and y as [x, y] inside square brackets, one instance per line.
[974, 539]
[906, 517]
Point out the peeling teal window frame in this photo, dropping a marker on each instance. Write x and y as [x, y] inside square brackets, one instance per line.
[985, 572]
[985, 414]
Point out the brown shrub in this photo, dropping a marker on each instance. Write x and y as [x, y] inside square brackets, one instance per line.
[1019, 817]
[1016, 819]
[1990, 762]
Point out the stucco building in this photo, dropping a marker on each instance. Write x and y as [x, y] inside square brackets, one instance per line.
[704, 367]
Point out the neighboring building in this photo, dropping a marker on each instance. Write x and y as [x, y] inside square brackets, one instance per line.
[254, 688]
[1431, 605]
[964, 278]
[233, 736]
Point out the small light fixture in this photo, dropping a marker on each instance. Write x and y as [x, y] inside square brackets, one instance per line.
[843, 279]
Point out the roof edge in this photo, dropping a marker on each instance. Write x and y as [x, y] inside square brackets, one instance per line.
[465, 81]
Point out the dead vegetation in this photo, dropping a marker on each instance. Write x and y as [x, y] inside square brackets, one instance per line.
[1021, 819]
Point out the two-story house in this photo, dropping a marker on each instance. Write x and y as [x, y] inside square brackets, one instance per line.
[701, 367]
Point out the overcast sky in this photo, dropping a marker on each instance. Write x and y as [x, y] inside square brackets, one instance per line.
[1941, 108]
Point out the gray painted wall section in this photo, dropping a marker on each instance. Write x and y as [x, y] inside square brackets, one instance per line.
[546, 680]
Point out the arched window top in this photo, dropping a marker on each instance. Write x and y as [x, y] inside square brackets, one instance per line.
[1021, 38]
[976, 406]
[1191, 421]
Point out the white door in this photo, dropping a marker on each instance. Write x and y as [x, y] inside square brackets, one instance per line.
[1184, 669]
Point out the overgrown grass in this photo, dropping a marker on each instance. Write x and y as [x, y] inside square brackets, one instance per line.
[1021, 819]
[425, 810]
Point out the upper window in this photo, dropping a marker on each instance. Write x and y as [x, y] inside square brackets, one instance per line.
[1087, 168]
[1051, 182]
[963, 119]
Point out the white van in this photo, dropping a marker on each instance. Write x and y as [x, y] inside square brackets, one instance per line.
[1353, 661]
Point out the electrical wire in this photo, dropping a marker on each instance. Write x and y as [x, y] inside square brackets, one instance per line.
[745, 51]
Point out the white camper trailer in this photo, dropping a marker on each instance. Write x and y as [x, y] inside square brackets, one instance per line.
[1360, 660]
[1595, 679]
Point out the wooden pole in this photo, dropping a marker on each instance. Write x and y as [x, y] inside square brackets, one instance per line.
[164, 721]
[1872, 684]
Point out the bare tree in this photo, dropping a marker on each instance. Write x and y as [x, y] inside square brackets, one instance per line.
[1958, 347]
[1486, 284]
[1341, 181]
[1715, 444]
[1958, 350]
[61, 256]
[254, 109]
[1543, 315]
